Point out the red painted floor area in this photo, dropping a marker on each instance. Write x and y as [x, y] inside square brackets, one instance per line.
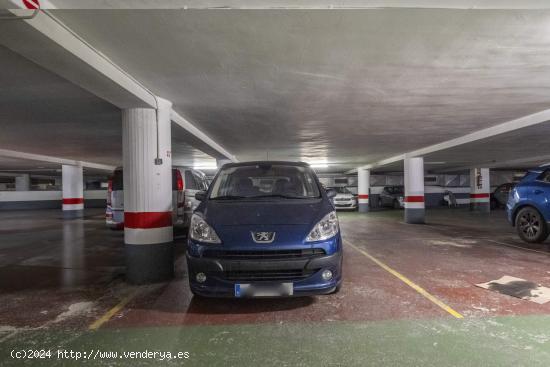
[445, 259]
[66, 274]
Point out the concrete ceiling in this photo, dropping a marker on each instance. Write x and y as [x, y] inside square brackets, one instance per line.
[346, 86]
[42, 113]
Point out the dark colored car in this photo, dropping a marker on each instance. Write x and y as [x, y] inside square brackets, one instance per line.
[265, 229]
[391, 196]
[528, 207]
[499, 197]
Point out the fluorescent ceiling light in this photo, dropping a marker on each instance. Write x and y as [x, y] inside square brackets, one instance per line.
[205, 166]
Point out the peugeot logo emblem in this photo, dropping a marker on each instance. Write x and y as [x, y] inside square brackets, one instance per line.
[263, 237]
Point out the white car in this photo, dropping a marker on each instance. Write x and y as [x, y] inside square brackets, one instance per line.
[186, 182]
[344, 199]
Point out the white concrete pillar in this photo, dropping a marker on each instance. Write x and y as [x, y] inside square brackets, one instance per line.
[73, 191]
[23, 183]
[363, 189]
[148, 234]
[480, 190]
[414, 190]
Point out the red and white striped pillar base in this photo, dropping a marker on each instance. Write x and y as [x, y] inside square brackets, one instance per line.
[73, 191]
[363, 188]
[415, 211]
[480, 190]
[148, 234]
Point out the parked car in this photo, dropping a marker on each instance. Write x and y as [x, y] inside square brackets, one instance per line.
[344, 199]
[528, 207]
[186, 182]
[391, 196]
[499, 197]
[264, 229]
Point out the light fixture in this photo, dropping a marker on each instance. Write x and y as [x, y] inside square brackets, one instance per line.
[318, 163]
[205, 166]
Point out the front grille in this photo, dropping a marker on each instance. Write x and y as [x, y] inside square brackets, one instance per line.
[263, 255]
[267, 275]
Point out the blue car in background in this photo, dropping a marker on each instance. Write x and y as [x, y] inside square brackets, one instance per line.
[264, 229]
[528, 206]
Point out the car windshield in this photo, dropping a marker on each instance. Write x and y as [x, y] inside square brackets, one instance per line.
[395, 189]
[341, 190]
[265, 180]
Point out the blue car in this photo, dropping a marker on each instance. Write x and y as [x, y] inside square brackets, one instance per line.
[264, 229]
[528, 207]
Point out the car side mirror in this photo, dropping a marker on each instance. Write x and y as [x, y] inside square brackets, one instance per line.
[331, 193]
[200, 196]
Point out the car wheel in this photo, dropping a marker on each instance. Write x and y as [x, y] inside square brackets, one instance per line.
[396, 204]
[379, 203]
[494, 204]
[531, 226]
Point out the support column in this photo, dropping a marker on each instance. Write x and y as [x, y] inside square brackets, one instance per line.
[147, 170]
[73, 191]
[23, 183]
[480, 190]
[414, 190]
[363, 189]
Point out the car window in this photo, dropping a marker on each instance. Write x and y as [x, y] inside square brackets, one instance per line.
[544, 177]
[200, 181]
[117, 180]
[340, 190]
[265, 180]
[190, 182]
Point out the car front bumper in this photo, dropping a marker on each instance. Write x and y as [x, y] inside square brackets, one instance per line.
[217, 283]
[345, 204]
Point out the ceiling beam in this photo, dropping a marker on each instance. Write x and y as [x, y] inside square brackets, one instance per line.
[49, 159]
[49, 43]
[506, 127]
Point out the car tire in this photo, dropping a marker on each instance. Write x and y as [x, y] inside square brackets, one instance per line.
[531, 226]
[396, 204]
[379, 203]
[494, 204]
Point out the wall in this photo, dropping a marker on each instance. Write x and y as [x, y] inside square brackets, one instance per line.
[435, 185]
[16, 200]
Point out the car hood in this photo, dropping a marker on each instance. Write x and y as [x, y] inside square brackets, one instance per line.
[289, 220]
[274, 212]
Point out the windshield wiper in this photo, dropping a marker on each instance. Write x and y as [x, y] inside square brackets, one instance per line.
[229, 197]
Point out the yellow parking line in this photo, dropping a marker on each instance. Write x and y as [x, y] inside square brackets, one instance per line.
[113, 311]
[408, 282]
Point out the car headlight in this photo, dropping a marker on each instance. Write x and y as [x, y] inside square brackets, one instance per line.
[200, 231]
[325, 228]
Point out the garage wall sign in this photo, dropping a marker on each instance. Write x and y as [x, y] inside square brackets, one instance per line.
[32, 4]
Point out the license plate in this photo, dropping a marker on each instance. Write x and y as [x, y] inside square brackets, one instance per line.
[264, 290]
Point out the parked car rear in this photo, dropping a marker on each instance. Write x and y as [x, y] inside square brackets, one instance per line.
[186, 182]
[528, 207]
[499, 197]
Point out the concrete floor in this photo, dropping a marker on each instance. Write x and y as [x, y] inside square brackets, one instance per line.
[59, 278]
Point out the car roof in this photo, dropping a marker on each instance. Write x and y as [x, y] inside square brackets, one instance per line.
[277, 163]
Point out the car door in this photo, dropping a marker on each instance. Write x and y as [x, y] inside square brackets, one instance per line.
[540, 194]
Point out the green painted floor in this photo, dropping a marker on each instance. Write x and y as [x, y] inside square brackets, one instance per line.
[501, 341]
